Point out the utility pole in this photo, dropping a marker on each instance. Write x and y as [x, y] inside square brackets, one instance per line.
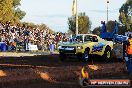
[107, 11]
[76, 17]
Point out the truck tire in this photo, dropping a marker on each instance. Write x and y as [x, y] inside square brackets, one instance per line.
[86, 55]
[107, 54]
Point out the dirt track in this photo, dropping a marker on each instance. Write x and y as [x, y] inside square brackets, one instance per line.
[49, 72]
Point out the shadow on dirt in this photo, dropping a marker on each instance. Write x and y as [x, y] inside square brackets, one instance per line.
[49, 60]
[66, 72]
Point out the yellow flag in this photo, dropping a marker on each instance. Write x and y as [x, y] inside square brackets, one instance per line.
[74, 7]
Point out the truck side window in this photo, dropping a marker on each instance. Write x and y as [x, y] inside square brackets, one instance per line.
[95, 39]
[87, 38]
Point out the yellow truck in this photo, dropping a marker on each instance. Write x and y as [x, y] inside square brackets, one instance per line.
[84, 45]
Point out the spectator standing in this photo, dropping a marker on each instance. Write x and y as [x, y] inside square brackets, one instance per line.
[26, 41]
[52, 47]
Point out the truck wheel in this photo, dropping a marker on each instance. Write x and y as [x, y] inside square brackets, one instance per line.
[86, 56]
[107, 54]
[62, 56]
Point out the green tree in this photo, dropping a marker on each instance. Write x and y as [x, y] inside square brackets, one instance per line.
[6, 13]
[97, 31]
[84, 24]
[126, 14]
[16, 3]
[20, 14]
[28, 24]
[9, 11]
[122, 30]
[45, 27]
[110, 26]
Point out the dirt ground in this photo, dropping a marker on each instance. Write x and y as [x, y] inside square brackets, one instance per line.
[47, 71]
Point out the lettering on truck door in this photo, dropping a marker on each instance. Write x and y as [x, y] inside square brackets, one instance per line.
[97, 48]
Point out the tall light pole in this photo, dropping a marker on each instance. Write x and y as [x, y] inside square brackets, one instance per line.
[76, 17]
[107, 11]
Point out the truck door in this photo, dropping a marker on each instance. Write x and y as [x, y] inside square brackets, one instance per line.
[97, 47]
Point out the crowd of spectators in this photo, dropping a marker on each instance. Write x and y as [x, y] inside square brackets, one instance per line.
[18, 37]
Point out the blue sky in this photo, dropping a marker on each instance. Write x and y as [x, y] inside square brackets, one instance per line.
[55, 13]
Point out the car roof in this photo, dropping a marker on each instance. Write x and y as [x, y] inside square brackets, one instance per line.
[88, 34]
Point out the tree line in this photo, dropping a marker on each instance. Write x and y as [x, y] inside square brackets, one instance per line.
[10, 11]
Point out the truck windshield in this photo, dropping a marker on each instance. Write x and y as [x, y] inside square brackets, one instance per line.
[82, 38]
[78, 38]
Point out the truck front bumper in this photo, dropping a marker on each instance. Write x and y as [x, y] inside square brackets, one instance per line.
[67, 51]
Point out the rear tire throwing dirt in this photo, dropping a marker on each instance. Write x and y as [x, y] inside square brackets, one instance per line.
[107, 54]
[86, 56]
[83, 57]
